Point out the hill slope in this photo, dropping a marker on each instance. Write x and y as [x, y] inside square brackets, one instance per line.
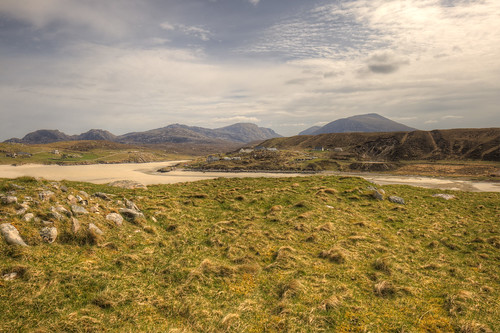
[314, 254]
[371, 122]
[475, 144]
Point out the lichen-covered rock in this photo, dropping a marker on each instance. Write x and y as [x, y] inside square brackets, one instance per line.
[10, 199]
[75, 225]
[130, 214]
[116, 218]
[444, 196]
[396, 199]
[131, 205]
[78, 210]
[377, 194]
[45, 195]
[28, 217]
[11, 235]
[95, 229]
[48, 234]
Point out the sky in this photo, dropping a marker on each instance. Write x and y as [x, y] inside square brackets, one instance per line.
[130, 65]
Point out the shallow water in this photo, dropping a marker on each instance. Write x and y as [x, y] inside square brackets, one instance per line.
[146, 174]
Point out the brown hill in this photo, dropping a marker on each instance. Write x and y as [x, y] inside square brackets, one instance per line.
[473, 144]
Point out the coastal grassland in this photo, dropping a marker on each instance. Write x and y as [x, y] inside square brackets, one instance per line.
[82, 152]
[305, 254]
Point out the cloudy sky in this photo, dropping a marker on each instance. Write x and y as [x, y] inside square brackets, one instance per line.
[130, 65]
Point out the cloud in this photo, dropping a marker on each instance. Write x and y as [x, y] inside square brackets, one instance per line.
[254, 2]
[237, 119]
[195, 31]
[385, 63]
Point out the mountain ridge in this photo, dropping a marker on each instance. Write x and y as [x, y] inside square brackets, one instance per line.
[173, 133]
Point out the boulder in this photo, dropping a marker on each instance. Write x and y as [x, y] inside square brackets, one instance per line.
[10, 199]
[130, 205]
[11, 235]
[78, 210]
[48, 234]
[377, 194]
[116, 218]
[396, 199]
[28, 217]
[95, 229]
[128, 184]
[45, 195]
[130, 214]
[444, 196]
[75, 225]
[102, 195]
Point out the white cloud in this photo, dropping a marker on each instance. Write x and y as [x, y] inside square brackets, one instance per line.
[254, 2]
[195, 31]
[237, 119]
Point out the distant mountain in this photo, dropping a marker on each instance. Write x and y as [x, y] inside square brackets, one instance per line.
[310, 130]
[96, 134]
[43, 136]
[176, 133]
[370, 122]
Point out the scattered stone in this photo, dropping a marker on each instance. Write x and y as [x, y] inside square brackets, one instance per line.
[95, 229]
[116, 218]
[444, 196]
[75, 225]
[48, 223]
[329, 207]
[78, 210]
[28, 217]
[11, 235]
[48, 234]
[45, 195]
[56, 216]
[94, 209]
[154, 219]
[64, 188]
[9, 200]
[17, 187]
[128, 184]
[62, 210]
[397, 200]
[72, 199]
[9, 276]
[102, 195]
[81, 200]
[377, 194]
[131, 214]
[84, 194]
[21, 211]
[130, 205]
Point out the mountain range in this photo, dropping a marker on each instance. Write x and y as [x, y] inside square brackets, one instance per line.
[176, 133]
[370, 122]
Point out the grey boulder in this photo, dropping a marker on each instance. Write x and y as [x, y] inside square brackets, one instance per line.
[11, 235]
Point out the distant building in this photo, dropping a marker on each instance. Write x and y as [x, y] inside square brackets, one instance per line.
[272, 149]
[13, 155]
[226, 158]
[319, 148]
[23, 154]
[246, 151]
[212, 158]
[55, 152]
[237, 158]
[338, 150]
[259, 148]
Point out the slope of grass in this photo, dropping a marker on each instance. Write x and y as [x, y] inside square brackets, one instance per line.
[254, 255]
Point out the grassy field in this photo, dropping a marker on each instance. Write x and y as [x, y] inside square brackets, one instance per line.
[82, 152]
[305, 254]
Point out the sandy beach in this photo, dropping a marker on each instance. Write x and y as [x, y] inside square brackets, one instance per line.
[146, 174]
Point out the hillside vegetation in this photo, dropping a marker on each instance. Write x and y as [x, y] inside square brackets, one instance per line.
[249, 255]
[456, 144]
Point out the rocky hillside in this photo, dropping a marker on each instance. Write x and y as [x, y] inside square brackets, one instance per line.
[474, 144]
[176, 133]
[371, 122]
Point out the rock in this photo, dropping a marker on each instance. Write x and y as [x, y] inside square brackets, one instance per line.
[21, 211]
[11, 235]
[444, 196]
[28, 217]
[48, 234]
[45, 195]
[377, 194]
[130, 205]
[9, 200]
[62, 210]
[64, 188]
[84, 194]
[17, 187]
[397, 200]
[72, 199]
[78, 210]
[95, 229]
[81, 200]
[116, 218]
[75, 225]
[128, 184]
[131, 214]
[56, 216]
[9, 276]
[102, 195]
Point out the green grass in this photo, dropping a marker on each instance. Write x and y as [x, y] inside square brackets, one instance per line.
[258, 255]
